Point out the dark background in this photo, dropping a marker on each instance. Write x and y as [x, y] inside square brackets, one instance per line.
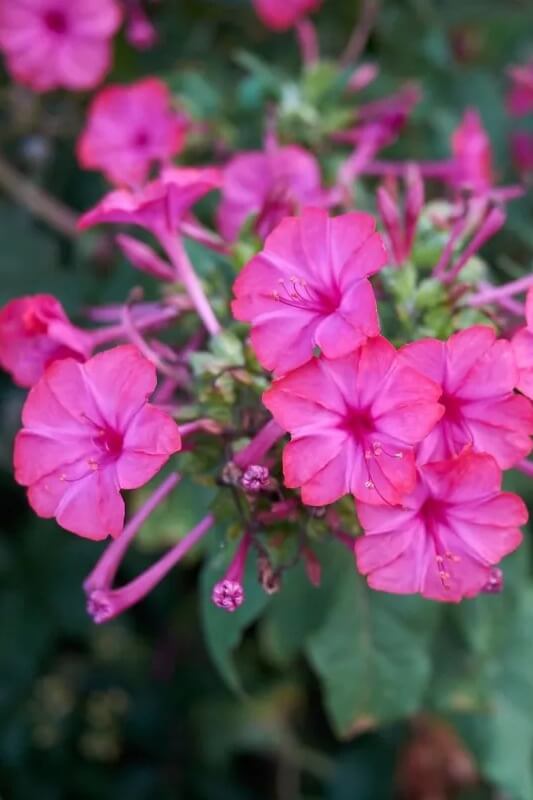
[135, 709]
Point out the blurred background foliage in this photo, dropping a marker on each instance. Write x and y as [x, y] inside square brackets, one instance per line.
[405, 698]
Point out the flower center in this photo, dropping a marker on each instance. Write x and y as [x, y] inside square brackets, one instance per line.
[110, 442]
[433, 513]
[452, 405]
[359, 423]
[56, 20]
[142, 139]
[297, 293]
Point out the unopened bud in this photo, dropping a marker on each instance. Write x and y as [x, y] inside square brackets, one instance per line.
[269, 580]
[255, 478]
[228, 595]
[495, 582]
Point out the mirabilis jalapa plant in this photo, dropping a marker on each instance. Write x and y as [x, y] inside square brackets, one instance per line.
[364, 388]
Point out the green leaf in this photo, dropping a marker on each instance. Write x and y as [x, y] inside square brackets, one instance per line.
[223, 631]
[372, 654]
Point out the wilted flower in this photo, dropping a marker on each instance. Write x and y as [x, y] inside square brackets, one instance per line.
[309, 288]
[353, 424]
[450, 531]
[88, 432]
[54, 43]
[34, 332]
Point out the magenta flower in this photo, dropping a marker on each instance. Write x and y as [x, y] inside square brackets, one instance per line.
[354, 422]
[269, 185]
[34, 332]
[472, 154]
[309, 288]
[280, 15]
[448, 534]
[522, 343]
[478, 375]
[58, 43]
[129, 129]
[520, 96]
[88, 432]
[160, 205]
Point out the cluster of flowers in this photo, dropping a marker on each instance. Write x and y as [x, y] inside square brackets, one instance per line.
[418, 435]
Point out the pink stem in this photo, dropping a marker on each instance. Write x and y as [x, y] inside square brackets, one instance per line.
[525, 466]
[359, 37]
[235, 570]
[399, 169]
[205, 424]
[185, 272]
[446, 255]
[255, 451]
[132, 333]
[496, 293]
[104, 604]
[193, 229]
[105, 570]
[308, 42]
[113, 332]
[494, 220]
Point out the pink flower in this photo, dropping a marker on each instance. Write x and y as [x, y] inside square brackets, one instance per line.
[88, 433]
[280, 15]
[160, 205]
[270, 185]
[448, 534]
[472, 154]
[130, 128]
[34, 332]
[477, 374]
[354, 422]
[522, 344]
[53, 43]
[522, 152]
[309, 288]
[520, 97]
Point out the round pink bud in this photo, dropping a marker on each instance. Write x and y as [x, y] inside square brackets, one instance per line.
[228, 595]
[495, 583]
[255, 478]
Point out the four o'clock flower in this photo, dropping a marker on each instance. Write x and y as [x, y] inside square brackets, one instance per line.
[270, 184]
[309, 288]
[450, 531]
[354, 422]
[130, 128]
[58, 43]
[228, 593]
[34, 332]
[88, 432]
[280, 15]
[478, 375]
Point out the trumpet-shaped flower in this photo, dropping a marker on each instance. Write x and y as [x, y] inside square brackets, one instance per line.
[478, 375]
[53, 43]
[34, 332]
[309, 288]
[158, 206]
[450, 531]
[354, 422]
[270, 185]
[88, 432]
[130, 128]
